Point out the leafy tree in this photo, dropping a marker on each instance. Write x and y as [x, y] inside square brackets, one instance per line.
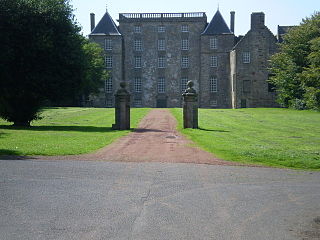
[94, 65]
[296, 67]
[311, 76]
[42, 57]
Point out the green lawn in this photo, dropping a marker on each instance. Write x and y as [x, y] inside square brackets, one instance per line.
[64, 131]
[273, 137]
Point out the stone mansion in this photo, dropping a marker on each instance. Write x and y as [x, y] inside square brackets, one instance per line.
[157, 53]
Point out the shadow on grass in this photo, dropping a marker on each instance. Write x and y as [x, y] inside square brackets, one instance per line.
[212, 130]
[2, 134]
[47, 108]
[6, 154]
[60, 128]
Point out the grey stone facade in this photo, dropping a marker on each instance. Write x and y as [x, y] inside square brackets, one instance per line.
[249, 71]
[157, 54]
[158, 43]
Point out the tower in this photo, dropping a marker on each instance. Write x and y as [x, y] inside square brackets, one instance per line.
[216, 42]
[107, 35]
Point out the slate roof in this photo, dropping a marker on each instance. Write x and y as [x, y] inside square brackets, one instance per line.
[284, 29]
[217, 26]
[106, 26]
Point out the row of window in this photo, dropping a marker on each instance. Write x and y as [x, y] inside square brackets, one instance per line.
[160, 29]
[138, 103]
[213, 86]
[137, 45]
[137, 85]
[161, 62]
[184, 61]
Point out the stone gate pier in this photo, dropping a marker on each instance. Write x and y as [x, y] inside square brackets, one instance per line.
[122, 108]
[190, 107]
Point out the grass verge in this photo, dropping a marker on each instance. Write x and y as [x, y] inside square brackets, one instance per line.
[271, 137]
[64, 131]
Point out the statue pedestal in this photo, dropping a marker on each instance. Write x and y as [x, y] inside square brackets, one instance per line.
[190, 107]
[122, 109]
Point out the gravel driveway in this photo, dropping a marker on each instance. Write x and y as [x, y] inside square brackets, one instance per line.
[155, 140]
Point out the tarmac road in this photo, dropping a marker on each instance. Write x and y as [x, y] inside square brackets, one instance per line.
[113, 200]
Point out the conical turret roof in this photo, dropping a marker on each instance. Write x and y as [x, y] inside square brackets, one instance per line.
[106, 26]
[217, 26]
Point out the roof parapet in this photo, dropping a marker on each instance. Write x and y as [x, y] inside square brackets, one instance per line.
[129, 16]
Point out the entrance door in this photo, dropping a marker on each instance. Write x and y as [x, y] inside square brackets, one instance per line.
[161, 103]
[243, 103]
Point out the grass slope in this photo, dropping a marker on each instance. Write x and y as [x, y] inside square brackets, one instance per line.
[272, 137]
[64, 131]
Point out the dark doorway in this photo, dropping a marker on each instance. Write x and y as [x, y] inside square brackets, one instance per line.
[243, 103]
[161, 103]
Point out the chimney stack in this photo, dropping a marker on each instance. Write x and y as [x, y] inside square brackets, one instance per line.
[92, 21]
[257, 20]
[232, 13]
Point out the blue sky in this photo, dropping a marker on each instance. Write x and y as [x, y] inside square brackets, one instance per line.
[278, 12]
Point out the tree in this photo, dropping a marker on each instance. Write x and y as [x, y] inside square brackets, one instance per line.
[42, 57]
[296, 67]
[311, 76]
[94, 65]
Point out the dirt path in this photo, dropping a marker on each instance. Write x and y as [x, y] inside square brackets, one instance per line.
[155, 140]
